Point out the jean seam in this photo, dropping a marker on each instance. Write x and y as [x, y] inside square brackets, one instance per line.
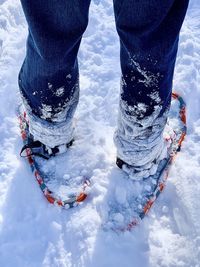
[120, 10]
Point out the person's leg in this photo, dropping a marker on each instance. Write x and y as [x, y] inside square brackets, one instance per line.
[48, 79]
[149, 33]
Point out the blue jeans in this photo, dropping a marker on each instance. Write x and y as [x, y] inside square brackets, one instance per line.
[49, 84]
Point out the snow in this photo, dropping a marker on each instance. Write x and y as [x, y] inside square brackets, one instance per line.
[32, 232]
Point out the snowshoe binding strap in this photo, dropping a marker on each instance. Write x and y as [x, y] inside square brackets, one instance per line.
[36, 148]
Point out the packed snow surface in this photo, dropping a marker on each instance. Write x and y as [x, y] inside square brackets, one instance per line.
[32, 232]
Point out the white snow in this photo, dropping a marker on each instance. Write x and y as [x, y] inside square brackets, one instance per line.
[32, 232]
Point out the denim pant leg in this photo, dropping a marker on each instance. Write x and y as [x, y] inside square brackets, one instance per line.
[48, 79]
[149, 33]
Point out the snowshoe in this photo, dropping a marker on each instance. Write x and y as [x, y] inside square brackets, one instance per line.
[43, 161]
